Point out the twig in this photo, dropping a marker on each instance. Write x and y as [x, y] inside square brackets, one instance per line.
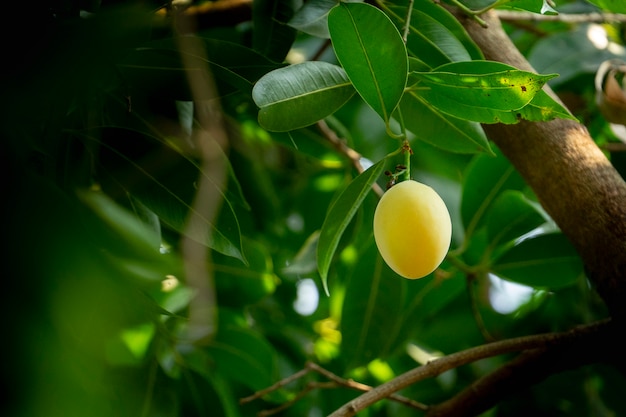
[364, 388]
[335, 382]
[309, 387]
[344, 149]
[276, 386]
[511, 16]
[455, 360]
[407, 22]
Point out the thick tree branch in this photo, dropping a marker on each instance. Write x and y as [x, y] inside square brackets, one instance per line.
[438, 366]
[529, 368]
[574, 181]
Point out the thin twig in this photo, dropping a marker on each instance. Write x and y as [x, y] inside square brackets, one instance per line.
[344, 149]
[276, 386]
[511, 16]
[363, 387]
[407, 23]
[335, 382]
[308, 388]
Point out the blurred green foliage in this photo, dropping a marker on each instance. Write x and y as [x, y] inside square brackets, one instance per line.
[100, 179]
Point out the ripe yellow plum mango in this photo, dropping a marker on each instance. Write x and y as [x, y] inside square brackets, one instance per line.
[412, 229]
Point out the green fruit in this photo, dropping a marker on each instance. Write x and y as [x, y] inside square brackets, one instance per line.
[412, 229]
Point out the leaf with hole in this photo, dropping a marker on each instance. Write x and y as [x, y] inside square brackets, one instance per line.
[480, 84]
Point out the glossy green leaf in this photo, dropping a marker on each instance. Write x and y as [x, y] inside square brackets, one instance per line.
[511, 216]
[340, 214]
[272, 36]
[299, 95]
[545, 261]
[438, 129]
[507, 103]
[480, 84]
[371, 50]
[312, 18]
[373, 310]
[435, 36]
[485, 179]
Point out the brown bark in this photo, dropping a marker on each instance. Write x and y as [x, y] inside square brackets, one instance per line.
[574, 181]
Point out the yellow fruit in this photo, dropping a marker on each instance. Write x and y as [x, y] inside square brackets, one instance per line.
[412, 229]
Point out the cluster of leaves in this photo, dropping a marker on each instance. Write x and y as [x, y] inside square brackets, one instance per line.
[105, 179]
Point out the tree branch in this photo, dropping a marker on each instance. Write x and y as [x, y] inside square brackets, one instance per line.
[351, 154]
[511, 16]
[574, 181]
[436, 367]
[529, 368]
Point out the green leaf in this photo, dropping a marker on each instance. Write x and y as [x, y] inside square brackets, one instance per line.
[547, 260]
[271, 35]
[485, 179]
[244, 356]
[312, 18]
[371, 50]
[480, 84]
[373, 310]
[435, 36]
[168, 190]
[543, 108]
[340, 214]
[438, 129]
[299, 95]
[426, 298]
[613, 6]
[157, 65]
[488, 92]
[511, 216]
[240, 285]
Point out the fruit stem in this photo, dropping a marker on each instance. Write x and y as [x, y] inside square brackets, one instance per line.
[407, 151]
